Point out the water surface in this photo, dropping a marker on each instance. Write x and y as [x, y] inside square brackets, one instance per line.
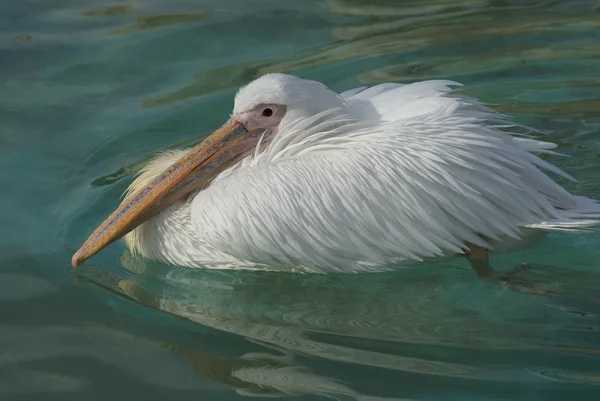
[90, 89]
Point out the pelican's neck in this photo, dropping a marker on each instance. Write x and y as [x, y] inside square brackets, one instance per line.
[171, 237]
[312, 118]
[154, 239]
[314, 103]
[167, 237]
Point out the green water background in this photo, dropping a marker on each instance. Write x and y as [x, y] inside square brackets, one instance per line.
[90, 89]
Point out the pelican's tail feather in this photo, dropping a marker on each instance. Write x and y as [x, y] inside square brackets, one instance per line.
[580, 226]
[583, 216]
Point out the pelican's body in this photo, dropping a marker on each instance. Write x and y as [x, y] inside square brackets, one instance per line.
[392, 174]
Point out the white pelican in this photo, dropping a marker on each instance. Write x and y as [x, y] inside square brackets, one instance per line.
[305, 179]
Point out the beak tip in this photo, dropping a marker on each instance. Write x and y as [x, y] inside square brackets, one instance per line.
[76, 260]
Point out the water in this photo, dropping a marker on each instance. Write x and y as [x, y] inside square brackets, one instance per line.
[90, 89]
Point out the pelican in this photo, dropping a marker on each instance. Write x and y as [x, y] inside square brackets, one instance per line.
[301, 178]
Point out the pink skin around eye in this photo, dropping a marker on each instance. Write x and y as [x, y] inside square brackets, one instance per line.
[262, 116]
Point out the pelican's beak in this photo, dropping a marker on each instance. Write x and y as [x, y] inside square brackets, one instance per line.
[195, 169]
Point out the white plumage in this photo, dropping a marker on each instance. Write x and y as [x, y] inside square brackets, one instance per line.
[388, 175]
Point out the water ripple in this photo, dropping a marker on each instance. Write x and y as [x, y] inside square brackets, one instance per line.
[346, 319]
[91, 90]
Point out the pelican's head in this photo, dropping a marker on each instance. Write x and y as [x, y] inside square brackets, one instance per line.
[276, 99]
[260, 109]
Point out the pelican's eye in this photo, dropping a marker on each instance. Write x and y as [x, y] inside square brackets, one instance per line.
[263, 115]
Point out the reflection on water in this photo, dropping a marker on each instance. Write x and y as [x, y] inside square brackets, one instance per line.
[420, 322]
[22, 38]
[263, 374]
[108, 11]
[427, 25]
[146, 22]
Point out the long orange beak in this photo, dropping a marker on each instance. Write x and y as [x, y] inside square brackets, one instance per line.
[195, 169]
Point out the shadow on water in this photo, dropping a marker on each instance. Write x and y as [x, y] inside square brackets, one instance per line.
[409, 323]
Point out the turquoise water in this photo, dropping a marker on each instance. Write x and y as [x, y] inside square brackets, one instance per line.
[90, 89]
